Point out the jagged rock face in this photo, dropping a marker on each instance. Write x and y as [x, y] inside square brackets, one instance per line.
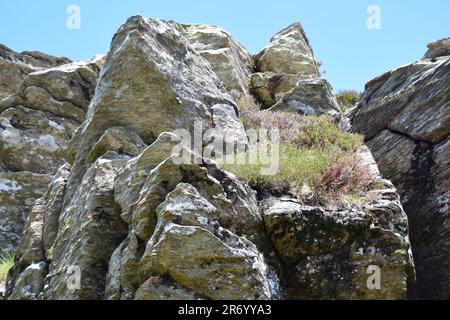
[405, 117]
[232, 63]
[439, 48]
[15, 66]
[31, 268]
[36, 125]
[154, 81]
[288, 77]
[326, 254]
[90, 228]
[196, 227]
[190, 247]
[18, 191]
[139, 224]
[204, 208]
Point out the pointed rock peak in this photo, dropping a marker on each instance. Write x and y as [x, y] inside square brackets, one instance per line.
[231, 62]
[149, 27]
[288, 77]
[293, 30]
[288, 52]
[153, 81]
[208, 37]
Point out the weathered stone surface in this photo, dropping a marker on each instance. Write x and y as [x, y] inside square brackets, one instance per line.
[243, 219]
[15, 66]
[30, 283]
[312, 96]
[89, 230]
[27, 277]
[412, 100]
[134, 173]
[213, 261]
[205, 263]
[288, 52]
[270, 88]
[42, 223]
[139, 223]
[158, 288]
[232, 63]
[205, 197]
[33, 141]
[405, 117]
[438, 48]
[117, 139]
[36, 125]
[18, 191]
[154, 82]
[299, 231]
[289, 77]
[327, 254]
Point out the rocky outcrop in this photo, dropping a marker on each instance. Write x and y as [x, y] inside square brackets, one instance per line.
[14, 67]
[213, 215]
[438, 48]
[288, 77]
[138, 213]
[18, 191]
[147, 56]
[232, 63]
[327, 254]
[153, 82]
[405, 117]
[31, 265]
[36, 125]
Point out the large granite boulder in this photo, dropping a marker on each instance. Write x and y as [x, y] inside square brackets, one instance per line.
[36, 125]
[405, 117]
[288, 77]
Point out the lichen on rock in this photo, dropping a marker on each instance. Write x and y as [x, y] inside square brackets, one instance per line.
[409, 115]
[133, 222]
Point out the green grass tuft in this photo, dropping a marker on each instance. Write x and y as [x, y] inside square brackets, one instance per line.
[314, 153]
[348, 99]
[6, 263]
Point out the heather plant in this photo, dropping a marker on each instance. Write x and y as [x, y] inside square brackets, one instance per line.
[347, 175]
[314, 153]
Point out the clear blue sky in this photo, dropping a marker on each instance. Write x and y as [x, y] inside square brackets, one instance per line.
[351, 53]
